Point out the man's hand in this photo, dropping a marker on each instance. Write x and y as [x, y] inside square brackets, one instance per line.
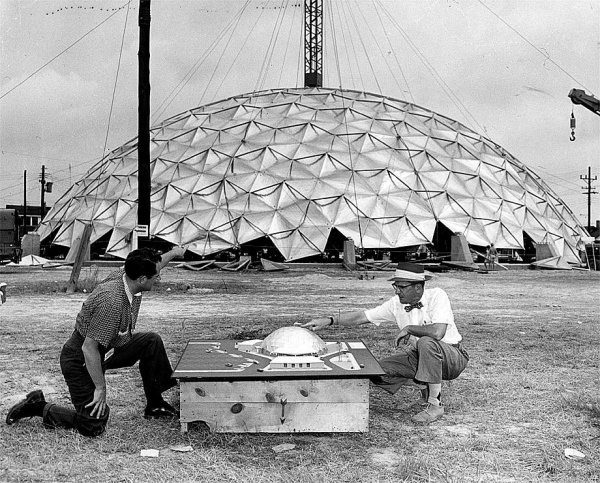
[98, 403]
[179, 251]
[315, 324]
[403, 337]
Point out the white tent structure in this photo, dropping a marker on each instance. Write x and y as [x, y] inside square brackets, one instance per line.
[30, 261]
[292, 164]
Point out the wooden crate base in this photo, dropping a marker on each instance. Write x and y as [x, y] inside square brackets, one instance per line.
[277, 406]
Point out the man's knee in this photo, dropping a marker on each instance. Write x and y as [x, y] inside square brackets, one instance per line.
[387, 366]
[427, 343]
[395, 367]
[392, 367]
[91, 426]
[152, 338]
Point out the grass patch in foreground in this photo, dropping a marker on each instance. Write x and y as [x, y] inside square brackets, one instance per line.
[529, 392]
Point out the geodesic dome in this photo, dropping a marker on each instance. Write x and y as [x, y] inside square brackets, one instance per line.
[292, 164]
[293, 341]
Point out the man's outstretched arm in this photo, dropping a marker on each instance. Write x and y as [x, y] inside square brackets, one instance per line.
[175, 252]
[349, 319]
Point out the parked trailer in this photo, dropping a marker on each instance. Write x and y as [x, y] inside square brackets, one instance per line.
[9, 233]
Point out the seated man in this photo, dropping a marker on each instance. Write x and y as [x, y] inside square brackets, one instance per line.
[429, 342]
[106, 322]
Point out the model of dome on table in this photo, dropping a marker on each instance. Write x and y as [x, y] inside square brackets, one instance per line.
[293, 341]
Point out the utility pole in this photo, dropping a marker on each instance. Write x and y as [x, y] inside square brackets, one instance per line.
[24, 203]
[46, 188]
[43, 182]
[143, 228]
[588, 179]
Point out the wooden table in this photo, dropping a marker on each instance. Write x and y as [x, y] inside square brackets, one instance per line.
[232, 390]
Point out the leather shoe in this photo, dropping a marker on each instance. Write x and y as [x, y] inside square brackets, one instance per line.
[165, 410]
[430, 414]
[32, 405]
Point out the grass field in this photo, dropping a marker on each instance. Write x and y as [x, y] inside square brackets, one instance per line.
[529, 392]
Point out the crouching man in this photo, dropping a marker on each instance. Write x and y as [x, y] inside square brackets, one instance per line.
[106, 322]
[429, 345]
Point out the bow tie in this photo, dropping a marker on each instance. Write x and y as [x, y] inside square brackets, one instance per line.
[409, 307]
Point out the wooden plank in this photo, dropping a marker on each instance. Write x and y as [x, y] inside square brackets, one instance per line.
[275, 418]
[242, 264]
[349, 261]
[340, 405]
[84, 245]
[309, 390]
[196, 266]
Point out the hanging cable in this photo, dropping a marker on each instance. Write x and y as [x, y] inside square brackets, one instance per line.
[257, 111]
[62, 52]
[286, 47]
[354, 50]
[345, 112]
[393, 51]
[545, 55]
[438, 78]
[262, 77]
[231, 26]
[239, 51]
[112, 101]
[100, 172]
[300, 61]
[364, 47]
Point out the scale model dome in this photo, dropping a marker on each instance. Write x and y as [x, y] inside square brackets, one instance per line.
[293, 164]
[293, 341]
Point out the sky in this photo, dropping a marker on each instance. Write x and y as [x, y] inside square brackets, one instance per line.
[69, 74]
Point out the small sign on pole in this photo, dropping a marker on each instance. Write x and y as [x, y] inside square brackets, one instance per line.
[141, 230]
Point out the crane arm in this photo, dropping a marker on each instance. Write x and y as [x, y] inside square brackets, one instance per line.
[578, 96]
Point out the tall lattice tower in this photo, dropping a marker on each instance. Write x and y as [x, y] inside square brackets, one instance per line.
[313, 43]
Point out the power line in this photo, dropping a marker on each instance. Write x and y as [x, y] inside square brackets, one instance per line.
[544, 54]
[60, 53]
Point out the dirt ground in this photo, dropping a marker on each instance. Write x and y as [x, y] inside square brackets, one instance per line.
[219, 304]
[502, 315]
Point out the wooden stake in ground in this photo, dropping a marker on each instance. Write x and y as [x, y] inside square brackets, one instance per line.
[82, 250]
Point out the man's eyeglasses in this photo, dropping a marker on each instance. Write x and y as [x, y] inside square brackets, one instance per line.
[399, 287]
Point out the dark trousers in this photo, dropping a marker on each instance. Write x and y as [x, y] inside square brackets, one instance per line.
[430, 362]
[155, 369]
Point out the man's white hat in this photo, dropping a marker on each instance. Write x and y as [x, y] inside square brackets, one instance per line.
[410, 272]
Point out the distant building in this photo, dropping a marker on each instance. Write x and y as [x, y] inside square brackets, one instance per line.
[595, 230]
[32, 219]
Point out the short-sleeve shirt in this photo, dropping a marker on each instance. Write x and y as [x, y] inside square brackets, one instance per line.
[108, 316]
[436, 310]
